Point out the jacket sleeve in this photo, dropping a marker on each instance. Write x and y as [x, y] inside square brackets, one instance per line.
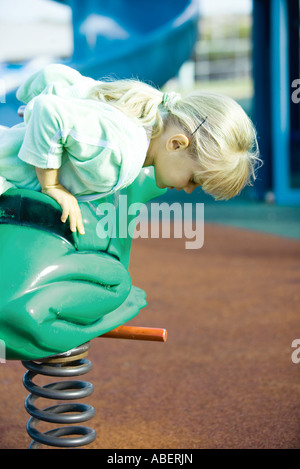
[43, 142]
[50, 76]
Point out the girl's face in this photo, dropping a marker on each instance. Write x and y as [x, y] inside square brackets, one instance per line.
[176, 170]
[174, 167]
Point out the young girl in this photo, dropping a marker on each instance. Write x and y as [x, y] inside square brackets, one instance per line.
[83, 139]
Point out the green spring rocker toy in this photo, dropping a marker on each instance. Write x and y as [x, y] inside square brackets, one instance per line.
[59, 289]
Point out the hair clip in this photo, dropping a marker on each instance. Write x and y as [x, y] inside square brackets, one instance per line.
[201, 123]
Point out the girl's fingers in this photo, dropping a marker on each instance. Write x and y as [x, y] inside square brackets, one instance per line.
[80, 226]
[76, 219]
[72, 224]
[73, 218]
[65, 213]
[79, 223]
[69, 205]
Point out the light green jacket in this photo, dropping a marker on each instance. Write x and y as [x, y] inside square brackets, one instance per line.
[97, 148]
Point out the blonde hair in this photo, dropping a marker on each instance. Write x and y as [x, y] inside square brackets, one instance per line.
[225, 145]
[136, 99]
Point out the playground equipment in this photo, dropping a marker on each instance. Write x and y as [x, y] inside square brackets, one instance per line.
[59, 291]
[277, 86]
[140, 39]
[70, 364]
[149, 41]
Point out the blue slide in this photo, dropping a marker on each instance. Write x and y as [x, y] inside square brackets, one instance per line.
[144, 39]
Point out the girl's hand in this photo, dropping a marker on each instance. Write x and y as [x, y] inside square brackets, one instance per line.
[69, 205]
[51, 186]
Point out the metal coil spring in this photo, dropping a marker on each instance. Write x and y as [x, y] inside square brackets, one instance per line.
[68, 364]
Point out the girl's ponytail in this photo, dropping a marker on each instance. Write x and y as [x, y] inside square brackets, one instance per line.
[136, 99]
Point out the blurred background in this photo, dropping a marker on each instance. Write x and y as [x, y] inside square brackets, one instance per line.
[247, 49]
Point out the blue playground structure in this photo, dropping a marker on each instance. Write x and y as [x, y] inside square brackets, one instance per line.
[147, 40]
[277, 96]
[124, 39]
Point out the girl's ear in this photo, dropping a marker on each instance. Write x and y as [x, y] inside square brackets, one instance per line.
[177, 142]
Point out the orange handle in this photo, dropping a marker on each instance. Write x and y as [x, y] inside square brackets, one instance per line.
[137, 333]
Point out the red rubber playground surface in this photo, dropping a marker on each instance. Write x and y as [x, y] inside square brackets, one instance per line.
[225, 378]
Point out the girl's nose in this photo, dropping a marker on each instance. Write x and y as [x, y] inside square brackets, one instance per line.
[189, 189]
